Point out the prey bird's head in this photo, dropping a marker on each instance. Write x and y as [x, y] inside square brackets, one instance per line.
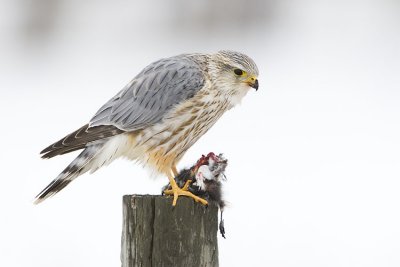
[233, 72]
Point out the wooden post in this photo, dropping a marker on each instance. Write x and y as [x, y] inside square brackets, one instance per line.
[157, 234]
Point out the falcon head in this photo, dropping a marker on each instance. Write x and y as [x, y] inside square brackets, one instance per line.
[233, 72]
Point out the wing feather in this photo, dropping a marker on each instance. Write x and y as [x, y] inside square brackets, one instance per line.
[79, 139]
[152, 93]
[143, 102]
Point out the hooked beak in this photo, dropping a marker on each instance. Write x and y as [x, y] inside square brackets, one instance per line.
[252, 82]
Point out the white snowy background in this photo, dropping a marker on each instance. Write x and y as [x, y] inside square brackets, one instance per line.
[314, 174]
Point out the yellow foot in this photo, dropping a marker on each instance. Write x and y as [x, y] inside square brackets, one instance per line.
[176, 192]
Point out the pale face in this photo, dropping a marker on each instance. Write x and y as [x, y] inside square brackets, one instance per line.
[235, 81]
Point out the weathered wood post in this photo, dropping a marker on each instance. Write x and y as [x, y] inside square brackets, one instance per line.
[155, 234]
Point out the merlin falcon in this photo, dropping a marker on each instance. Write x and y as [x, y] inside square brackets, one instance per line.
[157, 117]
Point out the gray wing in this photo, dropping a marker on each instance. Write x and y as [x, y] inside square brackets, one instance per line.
[151, 94]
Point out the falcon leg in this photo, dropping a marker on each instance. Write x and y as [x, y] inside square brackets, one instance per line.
[175, 171]
[176, 192]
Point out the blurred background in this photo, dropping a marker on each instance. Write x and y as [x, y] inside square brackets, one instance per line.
[314, 155]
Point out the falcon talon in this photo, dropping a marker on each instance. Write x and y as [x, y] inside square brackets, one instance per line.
[176, 192]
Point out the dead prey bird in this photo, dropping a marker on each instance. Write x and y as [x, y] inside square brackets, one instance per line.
[204, 179]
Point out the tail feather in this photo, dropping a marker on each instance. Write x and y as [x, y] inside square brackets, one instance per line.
[80, 165]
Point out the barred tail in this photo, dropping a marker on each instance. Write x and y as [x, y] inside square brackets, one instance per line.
[78, 166]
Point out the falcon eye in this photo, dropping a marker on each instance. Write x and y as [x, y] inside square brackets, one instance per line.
[238, 72]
